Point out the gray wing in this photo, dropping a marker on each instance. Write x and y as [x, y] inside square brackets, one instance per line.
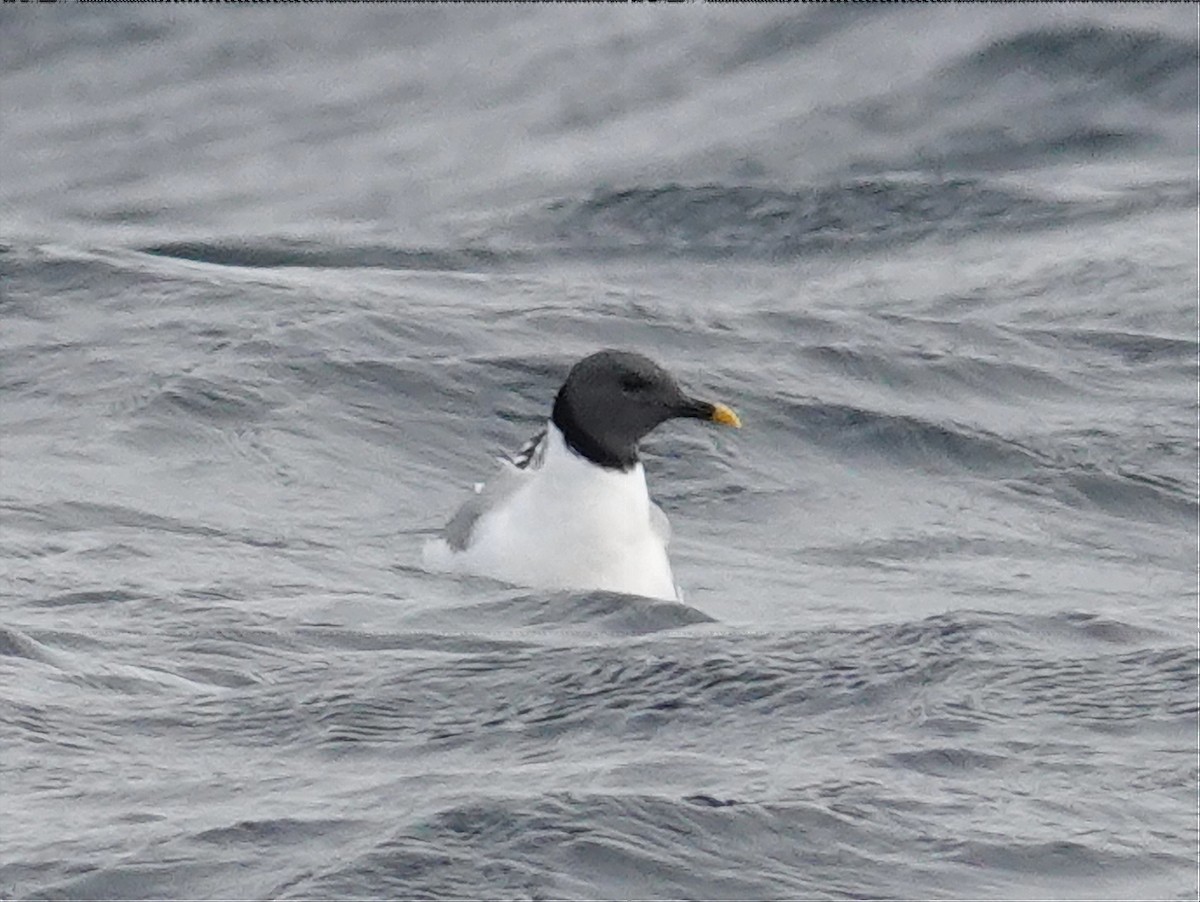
[511, 475]
[532, 453]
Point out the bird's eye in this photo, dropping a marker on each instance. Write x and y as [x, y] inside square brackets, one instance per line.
[634, 383]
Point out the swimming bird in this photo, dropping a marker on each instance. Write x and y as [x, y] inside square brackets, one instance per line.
[571, 510]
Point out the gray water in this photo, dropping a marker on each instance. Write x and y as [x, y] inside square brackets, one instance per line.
[278, 285]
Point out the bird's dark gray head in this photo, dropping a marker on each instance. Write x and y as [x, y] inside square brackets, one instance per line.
[612, 399]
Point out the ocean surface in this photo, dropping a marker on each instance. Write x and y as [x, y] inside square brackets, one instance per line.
[277, 286]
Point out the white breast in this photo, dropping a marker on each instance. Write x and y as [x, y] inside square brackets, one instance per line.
[569, 524]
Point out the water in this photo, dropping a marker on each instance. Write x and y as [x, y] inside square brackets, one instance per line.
[278, 284]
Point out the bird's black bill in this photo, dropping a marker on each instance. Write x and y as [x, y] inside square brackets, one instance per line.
[714, 413]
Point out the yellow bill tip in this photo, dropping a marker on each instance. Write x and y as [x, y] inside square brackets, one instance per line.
[724, 415]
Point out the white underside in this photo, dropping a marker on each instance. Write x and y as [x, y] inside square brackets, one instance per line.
[568, 524]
